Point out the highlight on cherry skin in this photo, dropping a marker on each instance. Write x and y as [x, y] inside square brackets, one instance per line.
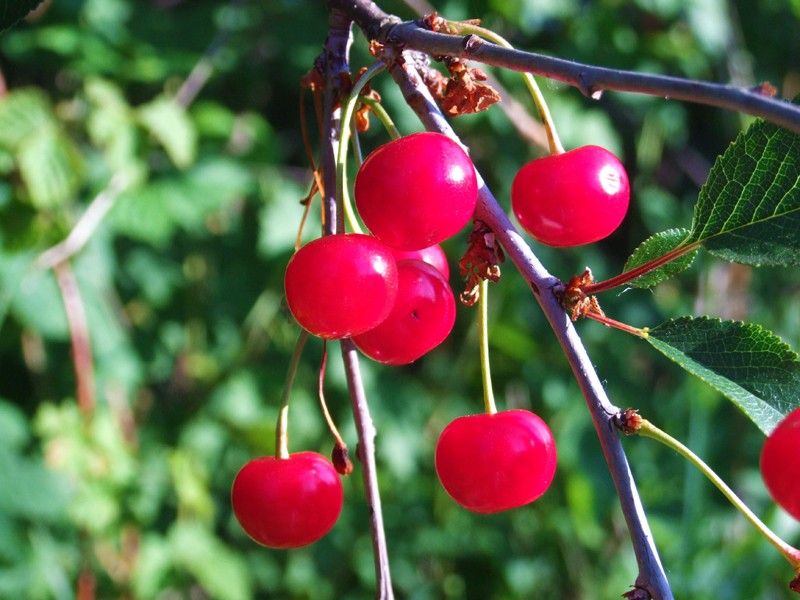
[423, 316]
[433, 255]
[416, 191]
[287, 502]
[573, 198]
[780, 463]
[341, 285]
[493, 462]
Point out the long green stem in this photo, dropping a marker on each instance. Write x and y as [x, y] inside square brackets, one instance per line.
[530, 82]
[383, 116]
[790, 553]
[281, 429]
[341, 156]
[483, 333]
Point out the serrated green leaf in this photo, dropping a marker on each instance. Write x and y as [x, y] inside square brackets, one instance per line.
[652, 248]
[11, 11]
[749, 209]
[168, 122]
[751, 366]
[50, 165]
[22, 112]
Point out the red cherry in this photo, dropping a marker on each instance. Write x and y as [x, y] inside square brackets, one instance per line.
[421, 319]
[287, 502]
[573, 198]
[494, 462]
[780, 463]
[433, 255]
[341, 285]
[416, 191]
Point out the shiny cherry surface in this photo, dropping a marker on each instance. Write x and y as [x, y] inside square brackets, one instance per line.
[416, 191]
[433, 255]
[287, 503]
[421, 319]
[341, 285]
[493, 462]
[780, 463]
[570, 199]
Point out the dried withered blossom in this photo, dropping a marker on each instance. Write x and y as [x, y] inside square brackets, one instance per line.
[464, 93]
[481, 261]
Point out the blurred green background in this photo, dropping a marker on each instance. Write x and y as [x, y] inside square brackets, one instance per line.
[182, 289]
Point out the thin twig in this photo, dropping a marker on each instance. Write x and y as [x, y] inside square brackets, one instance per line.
[79, 337]
[204, 68]
[651, 573]
[589, 79]
[366, 452]
[335, 62]
[86, 225]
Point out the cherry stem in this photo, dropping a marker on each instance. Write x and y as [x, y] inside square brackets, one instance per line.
[608, 322]
[791, 554]
[623, 278]
[483, 334]
[341, 156]
[323, 404]
[538, 98]
[282, 427]
[383, 116]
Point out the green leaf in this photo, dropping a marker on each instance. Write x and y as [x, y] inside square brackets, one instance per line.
[652, 248]
[11, 11]
[749, 209]
[51, 167]
[22, 112]
[751, 366]
[168, 122]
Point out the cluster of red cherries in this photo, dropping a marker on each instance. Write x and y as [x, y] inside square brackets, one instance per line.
[389, 293]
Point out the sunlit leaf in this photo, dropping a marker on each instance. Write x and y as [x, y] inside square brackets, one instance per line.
[652, 248]
[51, 167]
[168, 122]
[23, 112]
[749, 209]
[751, 366]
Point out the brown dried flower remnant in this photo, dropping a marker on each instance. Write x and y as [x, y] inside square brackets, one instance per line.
[575, 301]
[481, 261]
[463, 93]
[629, 421]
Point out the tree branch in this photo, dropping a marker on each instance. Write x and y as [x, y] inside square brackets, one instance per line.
[334, 63]
[651, 573]
[590, 80]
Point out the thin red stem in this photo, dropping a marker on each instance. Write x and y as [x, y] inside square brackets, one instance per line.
[79, 337]
[623, 278]
[323, 404]
[616, 324]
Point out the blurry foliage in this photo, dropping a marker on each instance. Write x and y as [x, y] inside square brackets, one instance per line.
[182, 286]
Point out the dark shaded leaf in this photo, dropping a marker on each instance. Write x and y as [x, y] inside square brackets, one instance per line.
[751, 366]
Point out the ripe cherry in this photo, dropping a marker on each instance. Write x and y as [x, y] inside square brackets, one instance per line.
[573, 198]
[493, 462]
[421, 319]
[287, 502]
[341, 285]
[416, 191]
[780, 465]
[433, 255]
